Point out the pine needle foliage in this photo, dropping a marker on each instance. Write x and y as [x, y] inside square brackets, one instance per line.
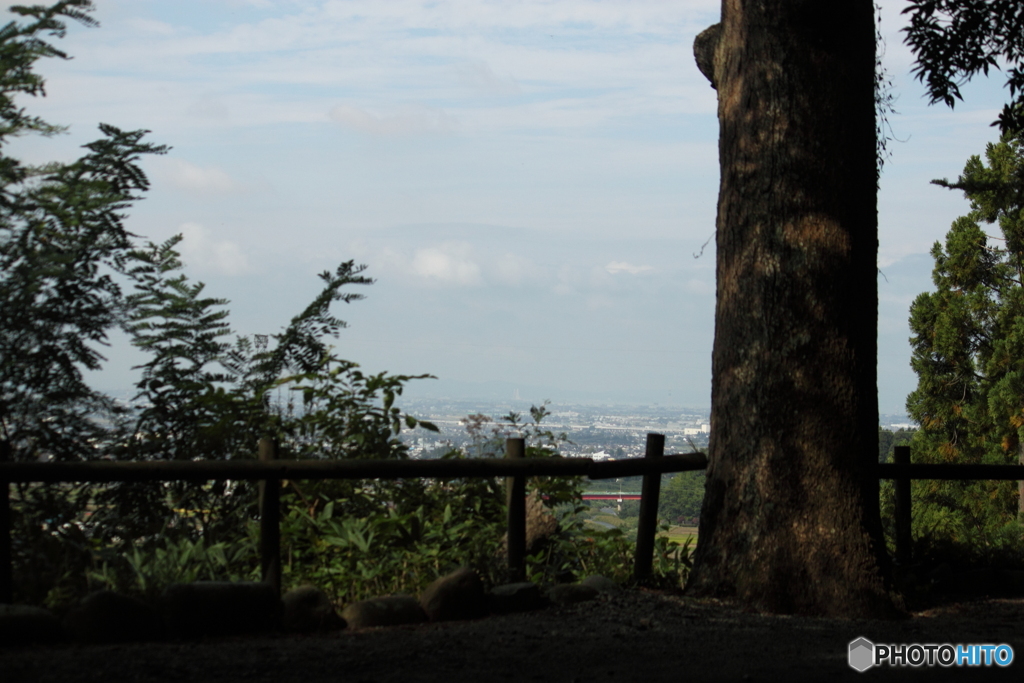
[968, 353]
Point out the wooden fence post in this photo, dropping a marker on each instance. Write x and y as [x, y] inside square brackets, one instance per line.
[648, 521]
[901, 456]
[6, 553]
[270, 520]
[515, 498]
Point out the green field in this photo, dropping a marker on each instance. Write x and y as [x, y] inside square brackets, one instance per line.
[608, 519]
[681, 533]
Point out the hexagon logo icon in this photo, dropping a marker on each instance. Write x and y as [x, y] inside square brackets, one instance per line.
[862, 654]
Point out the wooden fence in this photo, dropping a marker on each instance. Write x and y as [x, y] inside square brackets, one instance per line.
[270, 471]
[901, 471]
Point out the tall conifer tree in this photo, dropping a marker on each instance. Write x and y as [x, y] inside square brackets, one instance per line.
[968, 353]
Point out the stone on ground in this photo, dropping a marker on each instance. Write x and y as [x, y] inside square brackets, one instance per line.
[25, 625]
[570, 593]
[459, 595]
[517, 597]
[108, 617]
[308, 609]
[392, 610]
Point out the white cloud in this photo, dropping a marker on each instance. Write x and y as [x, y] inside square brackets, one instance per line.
[200, 250]
[615, 60]
[512, 269]
[410, 120]
[450, 263]
[624, 267]
[187, 176]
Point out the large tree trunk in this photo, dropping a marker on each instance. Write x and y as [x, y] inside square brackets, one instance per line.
[790, 522]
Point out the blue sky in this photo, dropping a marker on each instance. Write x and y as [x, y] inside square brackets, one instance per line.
[527, 181]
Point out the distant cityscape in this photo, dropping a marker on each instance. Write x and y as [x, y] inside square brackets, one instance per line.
[594, 431]
[609, 431]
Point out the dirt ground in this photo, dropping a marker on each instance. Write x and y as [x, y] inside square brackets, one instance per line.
[632, 636]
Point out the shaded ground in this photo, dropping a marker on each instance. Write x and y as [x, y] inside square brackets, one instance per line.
[634, 636]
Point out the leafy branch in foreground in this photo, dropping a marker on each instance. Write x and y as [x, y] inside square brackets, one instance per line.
[70, 274]
[62, 244]
[62, 241]
[954, 41]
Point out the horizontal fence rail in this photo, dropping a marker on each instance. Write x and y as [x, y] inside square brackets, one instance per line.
[902, 471]
[269, 472]
[254, 470]
[98, 471]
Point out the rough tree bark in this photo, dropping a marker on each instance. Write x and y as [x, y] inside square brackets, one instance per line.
[790, 522]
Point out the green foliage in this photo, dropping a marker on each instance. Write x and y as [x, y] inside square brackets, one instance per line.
[147, 572]
[955, 40]
[575, 553]
[488, 441]
[51, 551]
[887, 441]
[672, 561]
[61, 244]
[401, 548]
[345, 413]
[968, 352]
[20, 47]
[683, 496]
[62, 250]
[558, 558]
[629, 513]
[205, 398]
[69, 274]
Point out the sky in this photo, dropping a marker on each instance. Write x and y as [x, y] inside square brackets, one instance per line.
[531, 183]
